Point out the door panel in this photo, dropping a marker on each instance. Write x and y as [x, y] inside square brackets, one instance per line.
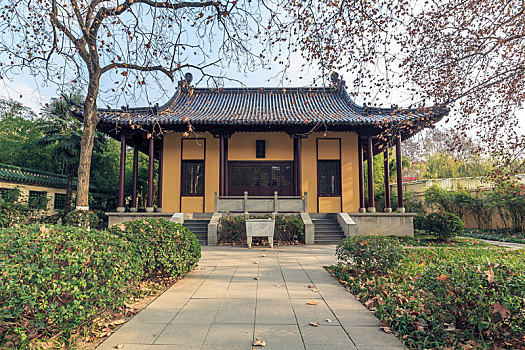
[260, 178]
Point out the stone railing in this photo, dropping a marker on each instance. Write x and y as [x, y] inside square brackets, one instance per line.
[261, 204]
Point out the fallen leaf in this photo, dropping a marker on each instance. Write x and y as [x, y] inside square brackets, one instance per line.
[312, 302]
[258, 342]
[119, 346]
[443, 277]
[490, 275]
[314, 324]
[450, 327]
[315, 290]
[255, 262]
[502, 310]
[328, 320]
[309, 286]
[278, 285]
[386, 329]
[257, 278]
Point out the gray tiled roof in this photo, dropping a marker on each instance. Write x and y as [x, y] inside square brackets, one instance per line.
[264, 106]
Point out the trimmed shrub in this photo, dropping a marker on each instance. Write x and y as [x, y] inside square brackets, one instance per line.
[289, 228]
[167, 248]
[232, 228]
[369, 253]
[14, 213]
[444, 225]
[81, 218]
[55, 279]
[418, 222]
[482, 300]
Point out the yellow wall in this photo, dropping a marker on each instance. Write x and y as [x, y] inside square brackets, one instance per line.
[24, 193]
[203, 146]
[318, 146]
[279, 147]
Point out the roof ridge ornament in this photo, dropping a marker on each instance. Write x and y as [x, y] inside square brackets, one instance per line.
[185, 83]
[337, 81]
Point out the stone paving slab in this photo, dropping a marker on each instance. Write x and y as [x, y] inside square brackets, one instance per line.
[237, 295]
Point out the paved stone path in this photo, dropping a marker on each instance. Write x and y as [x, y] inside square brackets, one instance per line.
[505, 244]
[237, 295]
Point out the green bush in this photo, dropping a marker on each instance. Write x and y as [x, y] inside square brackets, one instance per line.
[289, 228]
[167, 248]
[81, 218]
[56, 279]
[369, 253]
[232, 228]
[418, 222]
[442, 224]
[14, 213]
[483, 300]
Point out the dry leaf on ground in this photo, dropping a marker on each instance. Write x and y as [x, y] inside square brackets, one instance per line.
[257, 278]
[258, 342]
[328, 320]
[119, 346]
[312, 302]
[314, 324]
[315, 290]
[386, 329]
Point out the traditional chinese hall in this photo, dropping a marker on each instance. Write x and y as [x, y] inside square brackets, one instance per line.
[265, 150]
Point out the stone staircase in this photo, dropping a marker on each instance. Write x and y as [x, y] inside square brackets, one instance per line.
[199, 227]
[327, 230]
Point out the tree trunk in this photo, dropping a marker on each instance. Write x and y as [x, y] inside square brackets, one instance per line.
[86, 144]
[69, 189]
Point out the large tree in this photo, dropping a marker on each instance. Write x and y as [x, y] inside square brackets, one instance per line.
[133, 44]
[468, 54]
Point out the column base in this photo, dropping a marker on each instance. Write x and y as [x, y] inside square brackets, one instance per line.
[371, 209]
[149, 210]
[388, 210]
[121, 209]
[362, 210]
[401, 210]
[133, 210]
[158, 210]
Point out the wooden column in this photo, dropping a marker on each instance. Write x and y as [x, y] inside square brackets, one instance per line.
[370, 160]
[149, 201]
[160, 178]
[299, 183]
[222, 166]
[135, 177]
[295, 177]
[226, 171]
[388, 208]
[122, 177]
[362, 208]
[399, 166]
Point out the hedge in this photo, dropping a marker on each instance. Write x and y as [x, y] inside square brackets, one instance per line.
[57, 278]
[167, 248]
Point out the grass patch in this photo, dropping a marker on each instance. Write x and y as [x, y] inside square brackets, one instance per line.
[423, 239]
[496, 235]
[446, 297]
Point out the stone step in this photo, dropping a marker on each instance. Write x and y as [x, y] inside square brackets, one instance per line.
[328, 229]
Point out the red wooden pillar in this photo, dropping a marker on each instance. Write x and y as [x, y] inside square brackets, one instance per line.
[295, 193]
[388, 208]
[222, 166]
[135, 177]
[362, 208]
[299, 183]
[370, 160]
[160, 178]
[226, 171]
[399, 166]
[149, 201]
[122, 177]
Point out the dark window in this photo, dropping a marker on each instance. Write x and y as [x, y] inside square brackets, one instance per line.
[60, 201]
[192, 177]
[260, 149]
[329, 177]
[9, 194]
[37, 199]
